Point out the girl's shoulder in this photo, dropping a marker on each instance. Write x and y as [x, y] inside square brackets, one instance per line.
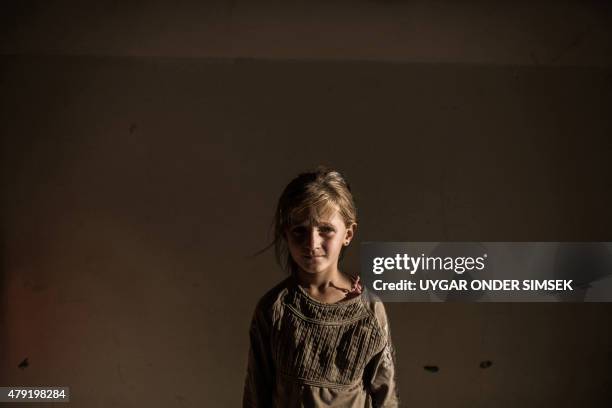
[377, 308]
[273, 296]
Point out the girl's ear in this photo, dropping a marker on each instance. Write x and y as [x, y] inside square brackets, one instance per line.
[350, 233]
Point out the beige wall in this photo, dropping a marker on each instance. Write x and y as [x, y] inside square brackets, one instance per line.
[135, 187]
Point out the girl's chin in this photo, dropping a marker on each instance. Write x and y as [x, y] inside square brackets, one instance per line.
[314, 268]
[312, 271]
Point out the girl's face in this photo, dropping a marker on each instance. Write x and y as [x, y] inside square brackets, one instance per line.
[316, 248]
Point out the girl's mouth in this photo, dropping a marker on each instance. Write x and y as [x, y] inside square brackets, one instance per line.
[313, 257]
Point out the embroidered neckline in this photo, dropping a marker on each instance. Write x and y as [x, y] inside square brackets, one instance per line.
[356, 289]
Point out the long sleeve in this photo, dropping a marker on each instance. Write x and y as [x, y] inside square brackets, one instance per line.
[259, 383]
[380, 372]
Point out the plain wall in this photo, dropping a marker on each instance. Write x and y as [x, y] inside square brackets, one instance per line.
[136, 188]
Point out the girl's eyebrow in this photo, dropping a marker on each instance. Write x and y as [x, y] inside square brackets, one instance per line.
[306, 224]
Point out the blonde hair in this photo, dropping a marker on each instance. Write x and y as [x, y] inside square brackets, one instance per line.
[312, 195]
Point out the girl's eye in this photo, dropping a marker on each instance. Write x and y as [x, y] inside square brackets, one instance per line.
[326, 230]
[298, 231]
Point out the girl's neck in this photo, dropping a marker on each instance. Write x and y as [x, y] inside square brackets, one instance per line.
[319, 282]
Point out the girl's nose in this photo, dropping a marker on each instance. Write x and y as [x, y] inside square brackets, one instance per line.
[314, 240]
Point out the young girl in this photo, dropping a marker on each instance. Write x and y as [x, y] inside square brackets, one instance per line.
[318, 339]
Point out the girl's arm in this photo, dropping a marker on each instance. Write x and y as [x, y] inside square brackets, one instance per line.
[380, 371]
[260, 376]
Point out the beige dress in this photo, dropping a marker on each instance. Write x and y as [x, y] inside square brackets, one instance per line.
[304, 353]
